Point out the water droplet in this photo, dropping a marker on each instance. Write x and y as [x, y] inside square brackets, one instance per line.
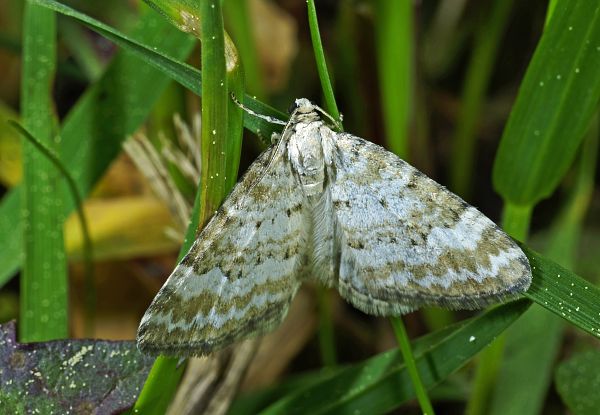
[558, 77]
[472, 339]
[541, 83]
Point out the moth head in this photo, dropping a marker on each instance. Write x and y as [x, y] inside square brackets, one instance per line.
[301, 105]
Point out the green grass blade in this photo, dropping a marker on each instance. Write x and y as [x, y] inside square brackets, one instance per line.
[394, 38]
[542, 135]
[564, 293]
[44, 296]
[221, 144]
[315, 35]
[381, 383]
[411, 366]
[556, 101]
[479, 71]
[90, 292]
[527, 371]
[93, 131]
[215, 100]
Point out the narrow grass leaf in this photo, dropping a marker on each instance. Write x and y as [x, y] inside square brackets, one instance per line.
[527, 371]
[564, 293]
[43, 296]
[327, 88]
[90, 291]
[394, 38]
[479, 71]
[556, 101]
[215, 98]
[221, 143]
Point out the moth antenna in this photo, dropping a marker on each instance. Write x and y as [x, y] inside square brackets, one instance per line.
[336, 123]
[267, 118]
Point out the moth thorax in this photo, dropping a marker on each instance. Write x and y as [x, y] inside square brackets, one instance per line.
[306, 156]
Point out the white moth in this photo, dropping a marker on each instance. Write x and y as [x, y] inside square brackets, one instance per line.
[330, 207]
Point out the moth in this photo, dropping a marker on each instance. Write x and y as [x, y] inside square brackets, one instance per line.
[333, 208]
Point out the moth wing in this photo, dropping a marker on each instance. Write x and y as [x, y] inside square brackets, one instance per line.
[405, 241]
[241, 273]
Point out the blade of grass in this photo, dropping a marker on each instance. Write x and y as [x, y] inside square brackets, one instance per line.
[411, 367]
[315, 35]
[43, 296]
[214, 110]
[527, 371]
[543, 131]
[479, 71]
[109, 110]
[381, 383]
[221, 134]
[89, 290]
[394, 37]
[564, 293]
[348, 68]
[327, 346]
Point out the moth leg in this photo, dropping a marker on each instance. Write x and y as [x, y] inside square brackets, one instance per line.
[275, 137]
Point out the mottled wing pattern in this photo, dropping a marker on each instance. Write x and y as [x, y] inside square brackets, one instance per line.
[242, 272]
[405, 241]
